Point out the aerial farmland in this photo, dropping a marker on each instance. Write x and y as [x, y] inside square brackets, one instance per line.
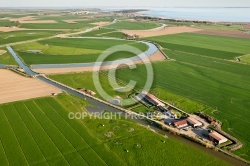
[105, 87]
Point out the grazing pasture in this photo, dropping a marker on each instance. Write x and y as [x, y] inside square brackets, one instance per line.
[73, 50]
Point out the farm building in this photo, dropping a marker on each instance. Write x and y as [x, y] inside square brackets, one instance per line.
[151, 99]
[217, 138]
[194, 122]
[181, 123]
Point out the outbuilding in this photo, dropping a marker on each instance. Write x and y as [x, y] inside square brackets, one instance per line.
[151, 99]
[217, 138]
[193, 122]
[181, 123]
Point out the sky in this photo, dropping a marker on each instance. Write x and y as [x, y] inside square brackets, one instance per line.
[124, 3]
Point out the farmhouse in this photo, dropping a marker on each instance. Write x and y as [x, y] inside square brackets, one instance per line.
[217, 138]
[151, 99]
[194, 122]
[181, 123]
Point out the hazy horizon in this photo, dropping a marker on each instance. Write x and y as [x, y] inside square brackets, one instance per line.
[121, 4]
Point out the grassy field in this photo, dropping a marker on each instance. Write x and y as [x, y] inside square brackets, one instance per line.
[7, 58]
[39, 132]
[245, 58]
[61, 24]
[218, 84]
[58, 51]
[12, 37]
[85, 80]
[7, 23]
[237, 27]
[134, 25]
[215, 26]
[209, 45]
[199, 82]
[105, 33]
[80, 22]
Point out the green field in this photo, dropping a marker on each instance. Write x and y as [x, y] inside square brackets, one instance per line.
[245, 58]
[7, 23]
[237, 27]
[216, 83]
[61, 24]
[215, 26]
[105, 33]
[85, 80]
[12, 37]
[7, 58]
[209, 45]
[60, 51]
[134, 25]
[39, 132]
[198, 82]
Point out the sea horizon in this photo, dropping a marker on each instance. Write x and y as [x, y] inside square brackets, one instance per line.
[219, 14]
[222, 14]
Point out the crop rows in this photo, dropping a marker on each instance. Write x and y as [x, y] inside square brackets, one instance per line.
[40, 132]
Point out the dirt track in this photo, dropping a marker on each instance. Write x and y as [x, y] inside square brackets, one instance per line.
[225, 33]
[159, 32]
[14, 87]
[158, 56]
